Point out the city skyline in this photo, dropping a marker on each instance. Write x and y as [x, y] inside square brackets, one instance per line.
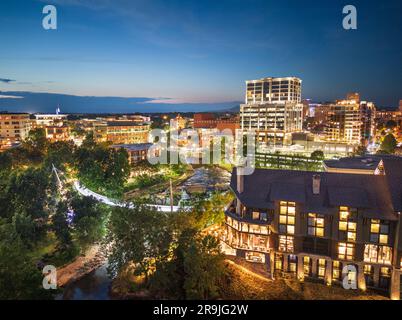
[197, 53]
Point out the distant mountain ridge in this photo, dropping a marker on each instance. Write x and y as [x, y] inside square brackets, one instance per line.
[22, 101]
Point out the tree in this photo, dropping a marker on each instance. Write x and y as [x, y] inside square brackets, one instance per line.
[60, 153]
[61, 227]
[25, 227]
[28, 190]
[388, 144]
[391, 124]
[317, 155]
[203, 267]
[194, 269]
[88, 220]
[19, 277]
[138, 236]
[102, 169]
[6, 162]
[36, 144]
[361, 150]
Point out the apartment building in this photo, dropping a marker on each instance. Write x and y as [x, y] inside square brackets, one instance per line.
[121, 132]
[137, 152]
[14, 127]
[344, 122]
[272, 109]
[312, 224]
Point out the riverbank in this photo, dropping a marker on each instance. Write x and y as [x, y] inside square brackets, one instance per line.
[81, 266]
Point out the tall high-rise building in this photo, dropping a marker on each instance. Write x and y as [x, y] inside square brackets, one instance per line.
[344, 122]
[351, 121]
[368, 115]
[273, 109]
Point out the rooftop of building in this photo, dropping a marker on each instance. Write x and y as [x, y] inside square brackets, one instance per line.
[361, 163]
[124, 123]
[133, 146]
[376, 196]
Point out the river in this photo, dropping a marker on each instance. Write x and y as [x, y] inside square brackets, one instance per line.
[93, 286]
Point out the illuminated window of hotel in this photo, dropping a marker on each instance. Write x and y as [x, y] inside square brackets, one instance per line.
[385, 277]
[346, 251]
[336, 270]
[285, 244]
[256, 215]
[292, 263]
[379, 231]
[377, 254]
[315, 225]
[347, 223]
[255, 257]
[287, 217]
[278, 262]
[321, 268]
[307, 262]
[369, 275]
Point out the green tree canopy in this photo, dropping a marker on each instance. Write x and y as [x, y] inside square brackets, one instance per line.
[388, 144]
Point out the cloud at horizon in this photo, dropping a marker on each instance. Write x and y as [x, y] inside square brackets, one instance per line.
[36, 102]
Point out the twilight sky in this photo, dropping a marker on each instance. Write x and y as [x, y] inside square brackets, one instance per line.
[201, 51]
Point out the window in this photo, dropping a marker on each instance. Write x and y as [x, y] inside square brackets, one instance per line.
[379, 231]
[377, 254]
[336, 270]
[287, 216]
[321, 268]
[278, 262]
[369, 275]
[347, 223]
[385, 277]
[307, 263]
[292, 263]
[346, 251]
[315, 225]
[285, 243]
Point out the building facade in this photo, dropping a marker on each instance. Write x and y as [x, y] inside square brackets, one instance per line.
[14, 127]
[121, 132]
[137, 152]
[344, 123]
[312, 225]
[272, 109]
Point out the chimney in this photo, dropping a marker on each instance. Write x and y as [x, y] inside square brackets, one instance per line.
[316, 183]
[240, 179]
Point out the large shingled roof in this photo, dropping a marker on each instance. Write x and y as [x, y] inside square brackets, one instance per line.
[372, 194]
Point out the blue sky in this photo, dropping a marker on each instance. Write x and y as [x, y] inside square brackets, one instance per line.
[201, 51]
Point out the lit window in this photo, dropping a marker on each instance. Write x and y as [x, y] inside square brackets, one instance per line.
[287, 217]
[336, 266]
[307, 265]
[292, 263]
[379, 231]
[346, 251]
[315, 225]
[321, 268]
[285, 244]
[377, 254]
[347, 223]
